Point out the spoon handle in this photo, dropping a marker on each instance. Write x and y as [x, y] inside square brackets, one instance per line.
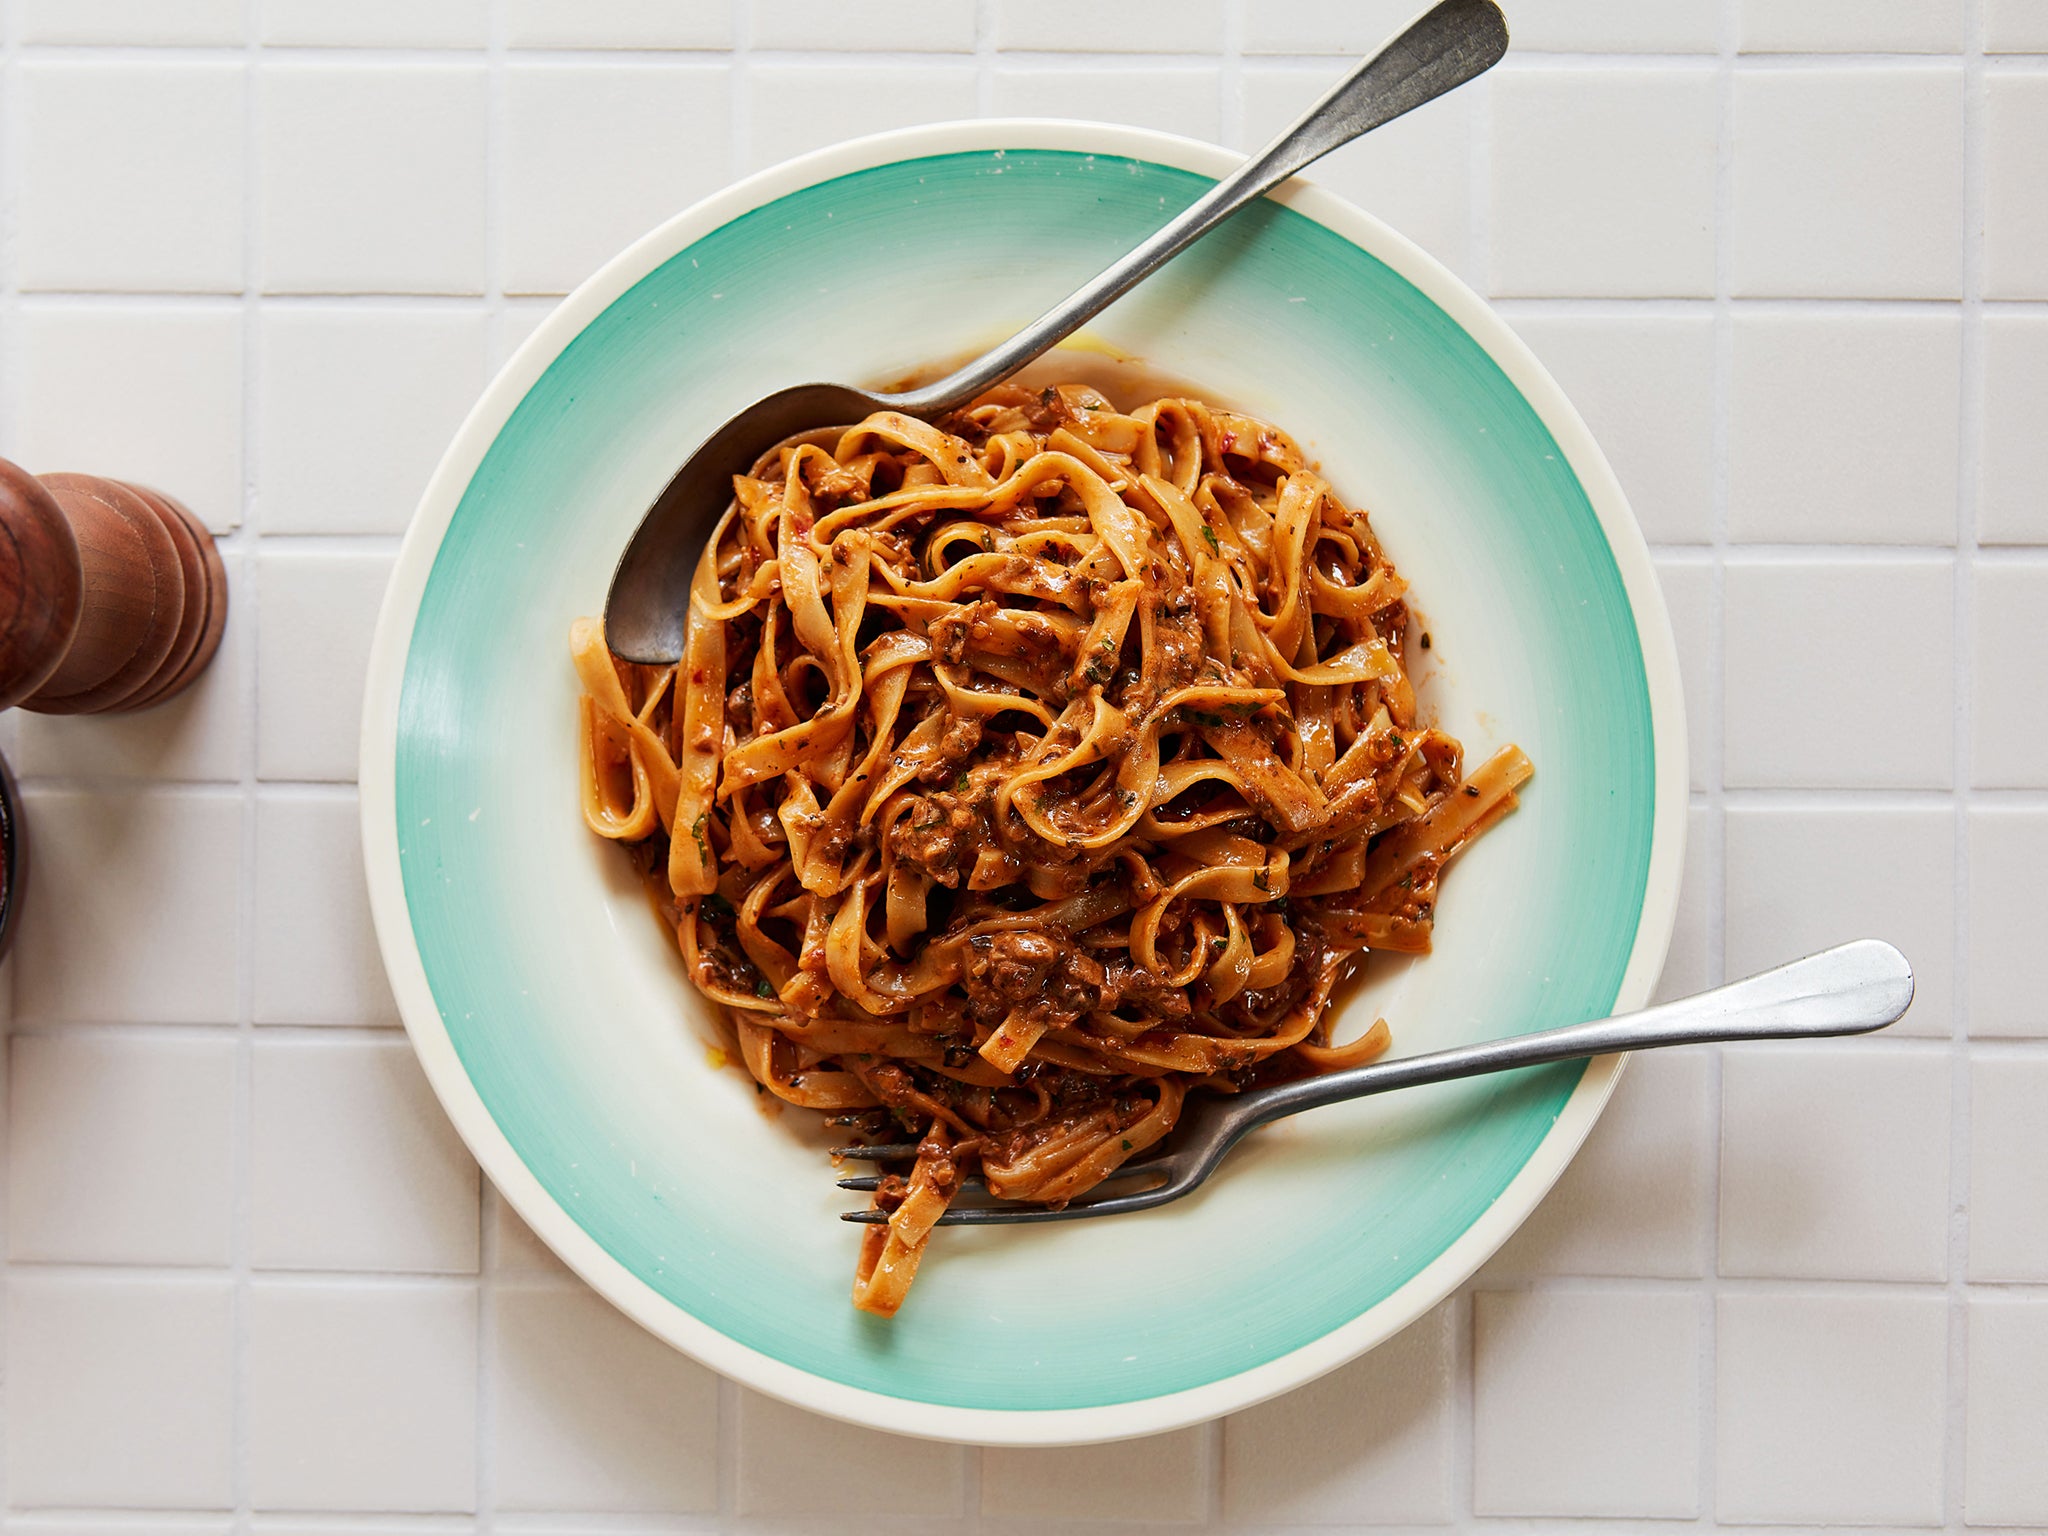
[1449, 44]
[1848, 990]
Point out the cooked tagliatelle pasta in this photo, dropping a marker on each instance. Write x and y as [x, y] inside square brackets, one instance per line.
[1025, 772]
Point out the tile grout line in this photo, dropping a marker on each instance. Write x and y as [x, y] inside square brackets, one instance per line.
[1464, 1404]
[1230, 78]
[984, 58]
[1523, 60]
[1715, 836]
[741, 94]
[243, 541]
[1969, 407]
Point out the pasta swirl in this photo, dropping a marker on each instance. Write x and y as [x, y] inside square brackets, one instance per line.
[1026, 771]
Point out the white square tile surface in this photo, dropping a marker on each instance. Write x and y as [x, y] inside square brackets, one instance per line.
[1852, 26]
[1603, 182]
[1138, 26]
[2015, 166]
[859, 26]
[593, 1413]
[1561, 1379]
[798, 107]
[1415, 173]
[1834, 1163]
[119, 1393]
[1817, 653]
[316, 952]
[1801, 880]
[1844, 430]
[67, 1523]
[311, 655]
[1179, 99]
[664, 131]
[361, 1399]
[376, 23]
[2009, 694]
[132, 177]
[1637, 1198]
[1605, 26]
[356, 1167]
[2009, 1168]
[343, 448]
[2015, 26]
[1830, 1408]
[1689, 962]
[1785, 256]
[1322, 26]
[794, 1463]
[1848, 183]
[102, 858]
[2008, 892]
[1645, 385]
[120, 1150]
[1161, 1478]
[130, 21]
[615, 24]
[2005, 1479]
[351, 154]
[1368, 1443]
[149, 392]
[2013, 500]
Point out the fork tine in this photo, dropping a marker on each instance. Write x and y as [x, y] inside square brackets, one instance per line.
[1017, 1214]
[866, 1183]
[894, 1149]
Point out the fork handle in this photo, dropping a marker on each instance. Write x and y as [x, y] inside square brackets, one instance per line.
[1848, 990]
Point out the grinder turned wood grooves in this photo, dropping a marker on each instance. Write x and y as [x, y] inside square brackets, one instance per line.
[42, 584]
[112, 596]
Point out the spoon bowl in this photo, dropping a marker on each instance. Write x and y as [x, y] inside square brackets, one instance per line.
[644, 618]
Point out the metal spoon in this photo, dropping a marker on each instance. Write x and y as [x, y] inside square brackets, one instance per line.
[644, 614]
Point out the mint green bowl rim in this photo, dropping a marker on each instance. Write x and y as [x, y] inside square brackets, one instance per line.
[489, 1144]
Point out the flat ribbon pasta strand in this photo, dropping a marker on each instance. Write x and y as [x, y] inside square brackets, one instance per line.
[1025, 772]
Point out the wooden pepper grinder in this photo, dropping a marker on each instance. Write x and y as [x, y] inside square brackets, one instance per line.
[112, 596]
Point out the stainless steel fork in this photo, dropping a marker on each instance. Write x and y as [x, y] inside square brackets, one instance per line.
[1849, 990]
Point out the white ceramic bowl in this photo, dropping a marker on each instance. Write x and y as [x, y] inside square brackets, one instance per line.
[556, 1023]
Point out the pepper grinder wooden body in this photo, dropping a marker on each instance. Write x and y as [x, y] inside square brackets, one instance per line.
[112, 596]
